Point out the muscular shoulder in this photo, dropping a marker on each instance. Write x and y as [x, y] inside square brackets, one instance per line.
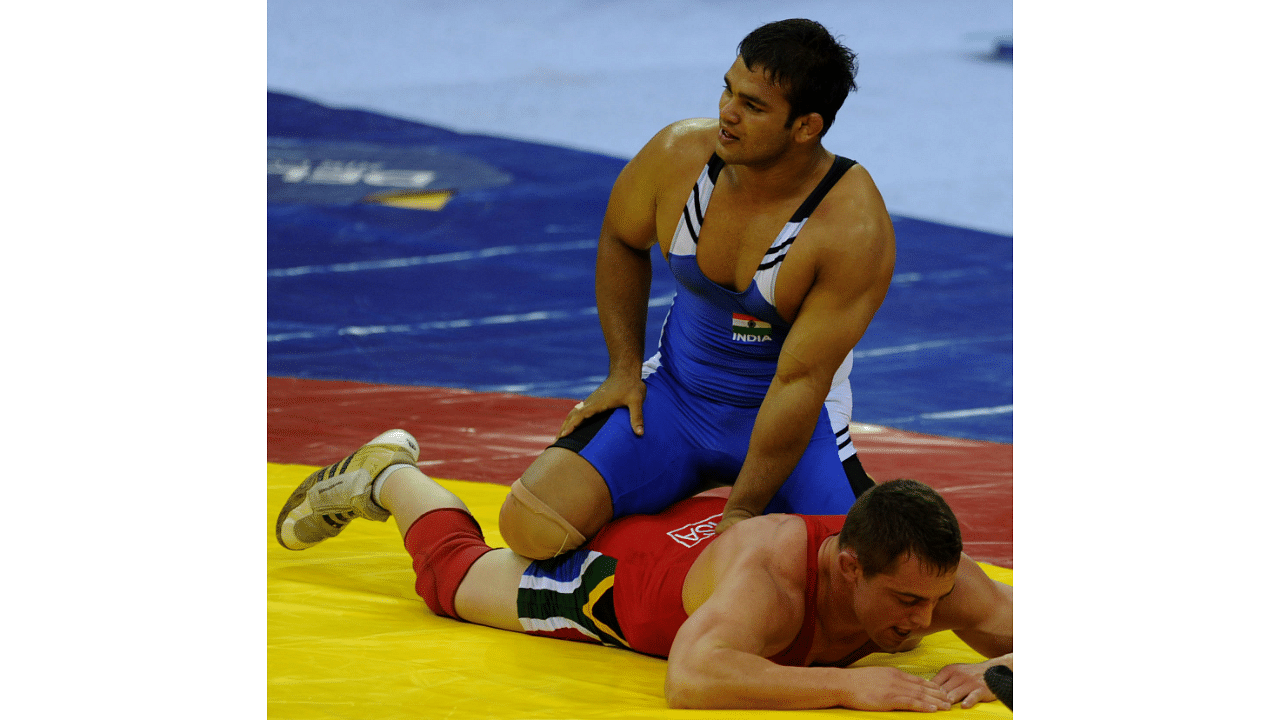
[696, 136]
[680, 147]
[845, 258]
[849, 240]
[853, 212]
[779, 543]
[653, 187]
[648, 192]
[751, 596]
[973, 601]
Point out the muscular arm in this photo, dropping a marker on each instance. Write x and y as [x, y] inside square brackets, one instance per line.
[852, 271]
[980, 612]
[623, 275]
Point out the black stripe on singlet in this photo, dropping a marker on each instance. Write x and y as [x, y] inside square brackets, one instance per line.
[697, 205]
[714, 166]
[688, 224]
[843, 438]
[778, 252]
[837, 171]
[780, 248]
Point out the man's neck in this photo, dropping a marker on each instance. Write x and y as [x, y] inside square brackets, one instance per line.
[835, 594]
[786, 176]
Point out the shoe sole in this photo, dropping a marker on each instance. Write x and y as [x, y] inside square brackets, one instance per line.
[399, 438]
[296, 500]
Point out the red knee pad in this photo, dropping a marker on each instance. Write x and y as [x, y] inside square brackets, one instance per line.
[444, 544]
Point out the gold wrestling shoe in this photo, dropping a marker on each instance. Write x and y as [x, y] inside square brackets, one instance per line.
[333, 496]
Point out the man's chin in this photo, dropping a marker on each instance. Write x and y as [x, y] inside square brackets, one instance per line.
[896, 644]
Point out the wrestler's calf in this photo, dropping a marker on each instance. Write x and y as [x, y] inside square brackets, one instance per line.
[444, 544]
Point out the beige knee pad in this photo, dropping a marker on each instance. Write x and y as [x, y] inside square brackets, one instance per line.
[532, 529]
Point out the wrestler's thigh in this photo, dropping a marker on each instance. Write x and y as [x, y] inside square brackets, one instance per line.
[487, 595]
[646, 474]
[572, 487]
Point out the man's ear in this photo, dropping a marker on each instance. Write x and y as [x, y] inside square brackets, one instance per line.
[849, 565]
[807, 127]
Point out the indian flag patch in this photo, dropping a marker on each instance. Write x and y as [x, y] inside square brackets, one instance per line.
[749, 329]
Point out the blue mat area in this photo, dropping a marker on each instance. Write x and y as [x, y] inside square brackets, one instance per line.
[495, 290]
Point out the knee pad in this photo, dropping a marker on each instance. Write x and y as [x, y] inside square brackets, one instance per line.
[444, 544]
[532, 528]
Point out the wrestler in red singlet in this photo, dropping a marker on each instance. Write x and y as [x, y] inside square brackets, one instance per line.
[654, 553]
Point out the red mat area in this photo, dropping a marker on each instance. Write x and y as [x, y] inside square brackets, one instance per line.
[492, 437]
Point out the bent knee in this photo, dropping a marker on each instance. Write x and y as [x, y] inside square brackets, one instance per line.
[533, 528]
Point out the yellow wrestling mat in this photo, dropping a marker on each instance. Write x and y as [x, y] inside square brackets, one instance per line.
[347, 637]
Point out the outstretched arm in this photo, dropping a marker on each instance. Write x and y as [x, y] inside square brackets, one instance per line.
[981, 614]
[980, 610]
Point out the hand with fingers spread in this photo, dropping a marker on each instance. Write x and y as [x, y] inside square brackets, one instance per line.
[612, 393]
[886, 688]
[963, 682]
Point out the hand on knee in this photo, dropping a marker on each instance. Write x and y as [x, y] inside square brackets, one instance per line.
[533, 529]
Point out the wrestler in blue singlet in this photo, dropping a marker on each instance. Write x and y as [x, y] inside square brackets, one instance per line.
[716, 359]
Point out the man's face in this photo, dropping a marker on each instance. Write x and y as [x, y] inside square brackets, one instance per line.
[753, 117]
[897, 605]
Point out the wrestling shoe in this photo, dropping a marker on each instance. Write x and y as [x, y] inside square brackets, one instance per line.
[333, 496]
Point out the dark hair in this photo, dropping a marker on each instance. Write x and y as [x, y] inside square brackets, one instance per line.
[902, 516]
[802, 58]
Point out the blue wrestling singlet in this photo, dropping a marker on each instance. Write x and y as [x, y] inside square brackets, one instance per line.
[716, 359]
[711, 329]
